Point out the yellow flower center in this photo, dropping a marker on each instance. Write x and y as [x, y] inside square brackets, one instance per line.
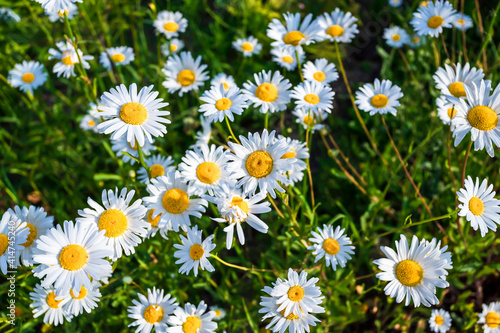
[290, 154]
[153, 314]
[73, 257]
[293, 38]
[51, 300]
[81, 295]
[331, 246]
[225, 85]
[238, 201]
[132, 145]
[266, 92]
[259, 164]
[435, 22]
[311, 98]
[217, 313]
[476, 206]
[287, 59]
[308, 120]
[66, 59]
[424, 3]
[91, 123]
[196, 252]
[482, 117]
[319, 76]
[379, 101]
[173, 47]
[295, 293]
[223, 104]
[114, 222]
[28, 77]
[208, 172]
[62, 12]
[409, 273]
[492, 319]
[460, 21]
[191, 325]
[171, 26]
[118, 57]
[133, 113]
[291, 316]
[186, 77]
[4, 243]
[153, 222]
[439, 320]
[396, 37]
[335, 30]
[247, 46]
[157, 170]
[175, 201]
[457, 89]
[416, 39]
[32, 236]
[452, 112]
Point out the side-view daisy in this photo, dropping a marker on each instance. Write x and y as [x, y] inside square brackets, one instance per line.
[172, 46]
[299, 152]
[462, 21]
[27, 76]
[184, 73]
[310, 120]
[286, 56]
[86, 300]
[331, 244]
[153, 225]
[396, 36]
[320, 71]
[193, 253]
[11, 247]
[220, 313]
[380, 97]
[337, 26]
[440, 321]
[446, 110]
[294, 32]
[152, 311]
[451, 80]
[227, 81]
[68, 56]
[314, 96]
[431, 19]
[248, 46]
[269, 93]
[159, 166]
[58, 15]
[46, 301]
[120, 56]
[192, 319]
[221, 103]
[490, 317]
[170, 23]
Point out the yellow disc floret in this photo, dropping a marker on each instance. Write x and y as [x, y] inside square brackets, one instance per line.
[175, 201]
[482, 117]
[335, 30]
[151, 220]
[492, 319]
[32, 236]
[153, 314]
[290, 154]
[4, 243]
[311, 99]
[118, 57]
[51, 300]
[452, 112]
[266, 92]
[81, 295]
[439, 320]
[191, 325]
[293, 38]
[295, 293]
[114, 222]
[319, 76]
[186, 77]
[259, 164]
[396, 37]
[435, 22]
[223, 104]
[171, 26]
[247, 46]
[196, 252]
[331, 246]
[73, 257]
[476, 206]
[157, 170]
[28, 77]
[133, 113]
[379, 101]
[242, 204]
[208, 172]
[457, 89]
[409, 273]
[288, 59]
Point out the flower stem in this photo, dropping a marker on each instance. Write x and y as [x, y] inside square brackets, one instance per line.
[141, 158]
[465, 163]
[231, 131]
[266, 120]
[239, 267]
[299, 67]
[308, 145]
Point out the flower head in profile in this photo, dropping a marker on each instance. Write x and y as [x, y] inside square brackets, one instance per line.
[462, 21]
[68, 57]
[58, 15]
[158, 165]
[57, 5]
[172, 46]
[310, 120]
[446, 110]
[451, 80]
[227, 81]
[46, 302]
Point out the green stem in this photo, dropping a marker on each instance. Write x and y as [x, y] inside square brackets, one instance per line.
[141, 158]
[266, 120]
[231, 131]
[299, 67]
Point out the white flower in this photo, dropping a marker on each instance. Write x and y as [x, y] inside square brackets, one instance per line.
[121, 56]
[417, 41]
[309, 119]
[431, 19]
[45, 301]
[68, 56]
[8, 14]
[203, 136]
[58, 15]
[381, 97]
[152, 311]
[170, 23]
[320, 71]
[462, 21]
[184, 73]
[219, 312]
[13, 234]
[194, 319]
[451, 81]
[121, 144]
[396, 36]
[269, 93]
[299, 152]
[249, 46]
[56, 5]
[285, 56]
[27, 76]
[490, 317]
[193, 252]
[446, 111]
[338, 26]
[89, 123]
[159, 166]
[314, 96]
[440, 321]
[86, 300]
[331, 244]
[172, 46]
[222, 78]
[293, 33]
[395, 3]
[221, 103]
[153, 225]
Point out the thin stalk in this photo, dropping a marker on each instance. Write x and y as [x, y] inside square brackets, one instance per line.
[448, 148]
[408, 68]
[238, 267]
[274, 205]
[481, 31]
[266, 120]
[231, 131]
[465, 163]
[445, 48]
[309, 174]
[141, 158]
[299, 67]
[346, 160]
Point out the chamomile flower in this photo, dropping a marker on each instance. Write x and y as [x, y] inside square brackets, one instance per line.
[490, 317]
[192, 319]
[462, 21]
[38, 223]
[269, 93]
[7, 14]
[395, 3]
[396, 37]
[152, 311]
[478, 205]
[380, 97]
[331, 244]
[227, 81]
[314, 96]
[170, 196]
[70, 256]
[417, 41]
[220, 313]
[320, 71]
[27, 76]
[257, 162]
[89, 123]
[440, 321]
[137, 115]
[203, 136]
[46, 301]
[120, 56]
[93, 110]
[68, 56]
[159, 166]
[248, 46]
[221, 103]
[58, 15]
[13, 234]
[86, 300]
[337, 26]
[56, 5]
[294, 32]
[193, 253]
[153, 225]
[309, 119]
[170, 23]
[446, 110]
[412, 273]
[299, 152]
[431, 19]
[286, 57]
[184, 73]
[452, 81]
[122, 145]
[434, 249]
[122, 222]
[172, 46]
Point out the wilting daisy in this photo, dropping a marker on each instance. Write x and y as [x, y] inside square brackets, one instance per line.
[478, 205]
[159, 166]
[170, 23]
[56, 5]
[58, 15]
[269, 93]
[451, 81]
[46, 301]
[219, 312]
[7, 14]
[257, 162]
[294, 32]
[478, 114]
[286, 57]
[86, 300]
[89, 123]
[380, 97]
[70, 256]
[172, 46]
[249, 46]
[10, 222]
[38, 223]
[440, 321]
[412, 272]
[137, 115]
[203, 136]
[122, 222]
[338, 26]
[396, 36]
[192, 319]
[490, 317]
[462, 21]
[299, 152]
[320, 71]
[170, 196]
[27, 76]
[431, 19]
[314, 96]
[308, 119]
[331, 244]
[122, 145]
[122, 55]
[221, 103]
[184, 73]
[193, 253]
[446, 110]
[152, 311]
[68, 56]
[227, 81]
[395, 3]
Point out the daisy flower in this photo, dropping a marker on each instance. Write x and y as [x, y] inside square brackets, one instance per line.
[37, 223]
[446, 110]
[314, 96]
[170, 196]
[58, 15]
[257, 162]
[490, 317]
[431, 19]
[70, 256]
[417, 41]
[440, 321]
[89, 123]
[56, 5]
[203, 137]
[94, 111]
[333, 245]
[192, 319]
[396, 37]
[170, 23]
[462, 21]
[380, 97]
[395, 3]
[8, 14]
[122, 145]
[453, 81]
[68, 56]
[219, 312]
[46, 302]
[338, 26]
[227, 81]
[320, 71]
[121, 56]
[13, 234]
[172, 46]
[308, 119]
[286, 57]
[299, 152]
[221, 103]
[193, 252]
[122, 222]
[294, 32]
[269, 93]
[249, 46]
[478, 205]
[27, 76]
[152, 311]
[184, 73]
[412, 272]
[435, 250]
[159, 165]
[478, 114]
[153, 225]
[137, 115]
[86, 300]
